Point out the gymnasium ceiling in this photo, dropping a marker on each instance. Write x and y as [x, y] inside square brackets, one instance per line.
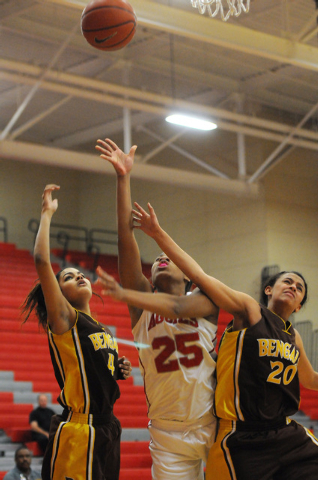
[255, 75]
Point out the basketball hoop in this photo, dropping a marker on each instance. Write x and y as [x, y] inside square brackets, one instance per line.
[235, 7]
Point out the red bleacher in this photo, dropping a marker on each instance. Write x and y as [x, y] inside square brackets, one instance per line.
[309, 402]
[24, 351]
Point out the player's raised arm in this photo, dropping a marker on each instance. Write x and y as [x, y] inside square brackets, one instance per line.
[244, 308]
[129, 261]
[60, 314]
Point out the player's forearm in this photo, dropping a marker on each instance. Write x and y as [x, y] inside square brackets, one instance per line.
[124, 206]
[42, 242]
[161, 303]
[186, 263]
[129, 264]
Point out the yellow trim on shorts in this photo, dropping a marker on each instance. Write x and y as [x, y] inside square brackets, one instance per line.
[219, 465]
[73, 451]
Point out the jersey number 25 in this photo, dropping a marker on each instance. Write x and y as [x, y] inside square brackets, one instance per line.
[192, 354]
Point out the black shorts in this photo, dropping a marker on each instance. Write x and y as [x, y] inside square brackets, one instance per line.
[81, 449]
[288, 452]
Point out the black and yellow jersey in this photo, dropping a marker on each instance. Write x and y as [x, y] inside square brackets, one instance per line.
[85, 362]
[257, 378]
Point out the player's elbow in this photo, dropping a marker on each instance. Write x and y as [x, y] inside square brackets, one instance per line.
[177, 308]
[39, 259]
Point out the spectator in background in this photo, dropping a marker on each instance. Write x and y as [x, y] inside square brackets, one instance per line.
[22, 470]
[40, 420]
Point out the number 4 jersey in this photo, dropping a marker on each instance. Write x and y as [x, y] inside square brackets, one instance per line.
[85, 362]
[177, 362]
[257, 376]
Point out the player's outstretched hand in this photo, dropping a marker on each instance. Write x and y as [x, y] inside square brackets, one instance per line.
[48, 204]
[121, 161]
[125, 367]
[147, 222]
[109, 285]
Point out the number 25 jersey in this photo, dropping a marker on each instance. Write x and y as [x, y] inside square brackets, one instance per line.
[177, 362]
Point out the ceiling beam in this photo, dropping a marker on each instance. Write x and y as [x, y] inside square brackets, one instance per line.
[10, 9]
[271, 159]
[156, 104]
[38, 118]
[36, 87]
[233, 124]
[169, 143]
[307, 28]
[99, 131]
[28, 152]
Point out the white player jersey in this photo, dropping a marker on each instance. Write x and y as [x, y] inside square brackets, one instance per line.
[177, 362]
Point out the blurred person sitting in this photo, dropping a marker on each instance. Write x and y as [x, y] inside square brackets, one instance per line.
[22, 470]
[40, 420]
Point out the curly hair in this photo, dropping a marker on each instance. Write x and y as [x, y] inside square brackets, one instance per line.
[270, 282]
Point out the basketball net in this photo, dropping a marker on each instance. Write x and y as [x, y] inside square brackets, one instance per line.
[213, 7]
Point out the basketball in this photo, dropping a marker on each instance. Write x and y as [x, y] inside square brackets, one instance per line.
[108, 24]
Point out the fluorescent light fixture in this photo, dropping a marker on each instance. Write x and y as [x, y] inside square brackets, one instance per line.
[191, 122]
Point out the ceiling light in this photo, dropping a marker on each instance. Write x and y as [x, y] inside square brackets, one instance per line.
[191, 122]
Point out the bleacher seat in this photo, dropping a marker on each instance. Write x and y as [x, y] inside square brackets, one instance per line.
[34, 448]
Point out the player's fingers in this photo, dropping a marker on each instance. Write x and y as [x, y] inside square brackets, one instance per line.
[111, 144]
[135, 212]
[51, 187]
[141, 210]
[133, 150]
[105, 150]
[47, 194]
[102, 142]
[106, 293]
[102, 274]
[100, 149]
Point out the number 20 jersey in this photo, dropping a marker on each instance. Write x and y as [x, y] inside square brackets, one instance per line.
[177, 362]
[257, 378]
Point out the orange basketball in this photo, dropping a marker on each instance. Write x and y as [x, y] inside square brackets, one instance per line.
[108, 24]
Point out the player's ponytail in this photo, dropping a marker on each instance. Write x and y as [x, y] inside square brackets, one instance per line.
[35, 302]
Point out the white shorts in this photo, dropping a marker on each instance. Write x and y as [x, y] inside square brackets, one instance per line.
[180, 451]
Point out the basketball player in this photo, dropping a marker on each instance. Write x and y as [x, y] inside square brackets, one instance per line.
[84, 440]
[178, 366]
[260, 363]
